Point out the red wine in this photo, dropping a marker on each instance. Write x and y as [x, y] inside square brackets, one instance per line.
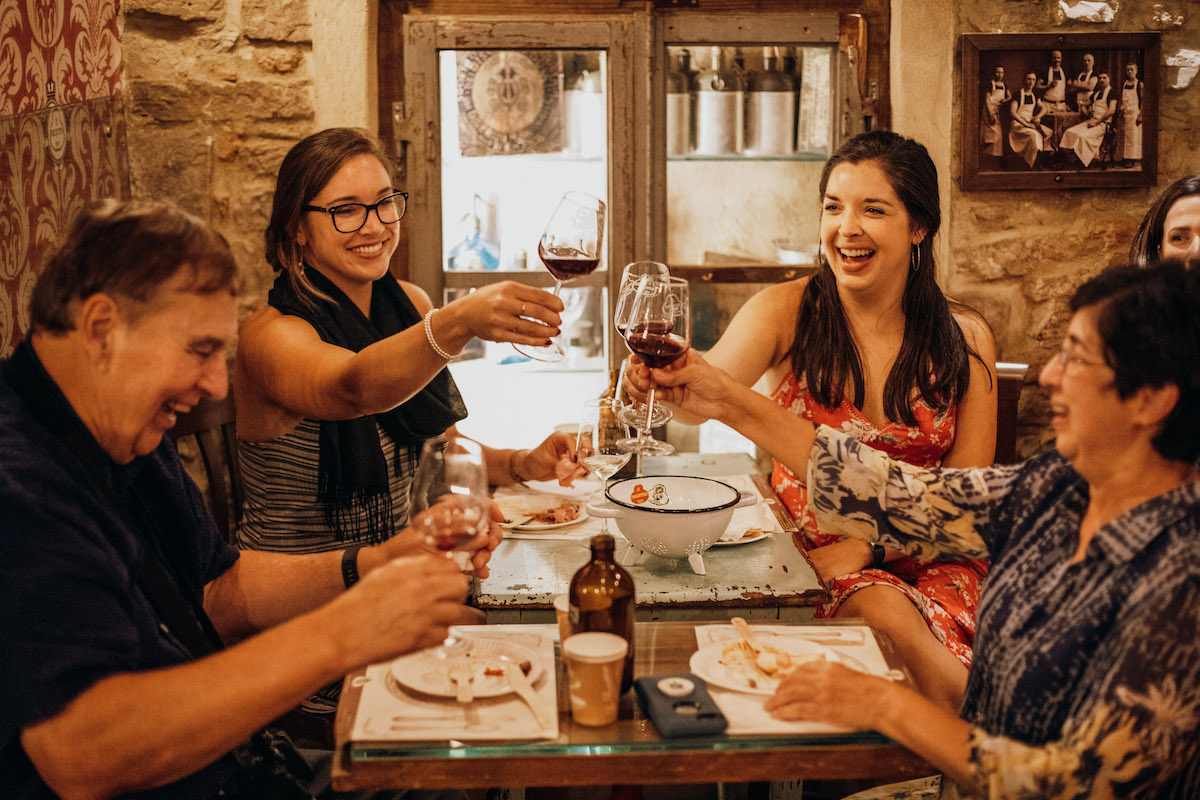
[657, 348]
[565, 263]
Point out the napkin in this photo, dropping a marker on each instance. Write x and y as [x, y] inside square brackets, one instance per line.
[388, 712]
[745, 712]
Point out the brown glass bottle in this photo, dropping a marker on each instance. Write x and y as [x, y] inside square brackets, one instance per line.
[601, 598]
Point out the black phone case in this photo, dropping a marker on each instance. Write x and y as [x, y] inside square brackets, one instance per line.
[691, 714]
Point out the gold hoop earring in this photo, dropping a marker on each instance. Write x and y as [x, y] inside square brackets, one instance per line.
[915, 259]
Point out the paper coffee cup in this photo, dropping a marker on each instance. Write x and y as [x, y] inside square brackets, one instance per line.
[594, 665]
[562, 612]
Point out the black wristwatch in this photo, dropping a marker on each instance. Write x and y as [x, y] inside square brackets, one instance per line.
[877, 555]
[350, 565]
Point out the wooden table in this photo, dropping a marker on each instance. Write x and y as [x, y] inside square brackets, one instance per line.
[768, 580]
[627, 752]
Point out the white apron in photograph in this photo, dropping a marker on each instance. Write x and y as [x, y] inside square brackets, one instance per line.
[1024, 141]
[1056, 88]
[1132, 132]
[989, 127]
[1083, 140]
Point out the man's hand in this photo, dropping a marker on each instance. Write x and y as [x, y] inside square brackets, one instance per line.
[403, 605]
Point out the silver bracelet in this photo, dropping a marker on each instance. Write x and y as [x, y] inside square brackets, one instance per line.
[433, 342]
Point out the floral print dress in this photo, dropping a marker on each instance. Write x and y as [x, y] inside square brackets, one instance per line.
[945, 592]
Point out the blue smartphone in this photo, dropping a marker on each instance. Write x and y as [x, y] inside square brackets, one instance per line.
[680, 705]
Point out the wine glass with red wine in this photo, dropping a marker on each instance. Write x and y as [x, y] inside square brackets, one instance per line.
[450, 504]
[632, 275]
[660, 331]
[570, 247]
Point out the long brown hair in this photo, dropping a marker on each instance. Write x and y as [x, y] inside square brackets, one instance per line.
[933, 357]
[305, 170]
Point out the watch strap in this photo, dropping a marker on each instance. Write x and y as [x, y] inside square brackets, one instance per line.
[350, 565]
[877, 555]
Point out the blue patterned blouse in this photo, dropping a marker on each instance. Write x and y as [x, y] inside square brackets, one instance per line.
[1086, 677]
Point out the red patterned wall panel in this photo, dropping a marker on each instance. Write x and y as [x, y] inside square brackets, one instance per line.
[62, 126]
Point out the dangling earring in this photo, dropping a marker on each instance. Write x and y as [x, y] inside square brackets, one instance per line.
[915, 259]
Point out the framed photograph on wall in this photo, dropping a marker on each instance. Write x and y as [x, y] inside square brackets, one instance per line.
[1059, 110]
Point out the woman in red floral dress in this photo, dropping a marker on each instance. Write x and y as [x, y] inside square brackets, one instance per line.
[869, 345]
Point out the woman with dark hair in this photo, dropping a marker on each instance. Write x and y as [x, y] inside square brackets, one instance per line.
[871, 345]
[1171, 228]
[1086, 678]
[342, 378]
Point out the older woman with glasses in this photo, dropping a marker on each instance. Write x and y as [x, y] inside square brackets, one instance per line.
[342, 378]
[1086, 676]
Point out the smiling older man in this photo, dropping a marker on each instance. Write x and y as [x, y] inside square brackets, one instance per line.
[116, 592]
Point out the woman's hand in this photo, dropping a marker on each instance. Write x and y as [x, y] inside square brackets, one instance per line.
[840, 558]
[554, 458]
[451, 517]
[826, 691]
[690, 383]
[508, 312]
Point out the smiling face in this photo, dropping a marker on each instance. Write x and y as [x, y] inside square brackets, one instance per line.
[160, 360]
[1181, 231]
[866, 231]
[1088, 416]
[350, 260]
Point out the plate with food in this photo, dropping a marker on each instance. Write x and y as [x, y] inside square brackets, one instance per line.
[425, 671]
[735, 665]
[559, 514]
[539, 512]
[749, 535]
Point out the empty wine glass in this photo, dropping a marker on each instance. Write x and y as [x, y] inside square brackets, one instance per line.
[600, 430]
[570, 247]
[450, 504]
[659, 331]
[631, 276]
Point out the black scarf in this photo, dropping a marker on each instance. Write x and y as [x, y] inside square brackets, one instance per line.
[352, 470]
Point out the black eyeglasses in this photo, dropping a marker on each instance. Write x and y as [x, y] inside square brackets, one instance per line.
[350, 217]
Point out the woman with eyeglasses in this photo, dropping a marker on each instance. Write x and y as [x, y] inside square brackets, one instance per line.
[1086, 676]
[342, 377]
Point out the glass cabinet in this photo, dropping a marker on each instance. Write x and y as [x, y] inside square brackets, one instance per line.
[705, 134]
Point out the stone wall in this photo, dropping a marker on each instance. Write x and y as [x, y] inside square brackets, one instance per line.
[218, 91]
[1017, 255]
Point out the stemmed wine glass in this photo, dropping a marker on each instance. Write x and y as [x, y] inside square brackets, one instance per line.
[451, 487]
[570, 247]
[660, 331]
[600, 429]
[634, 413]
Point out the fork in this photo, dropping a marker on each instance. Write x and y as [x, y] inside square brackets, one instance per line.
[461, 672]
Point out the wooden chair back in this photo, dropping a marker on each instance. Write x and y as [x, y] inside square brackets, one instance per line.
[211, 424]
[1010, 380]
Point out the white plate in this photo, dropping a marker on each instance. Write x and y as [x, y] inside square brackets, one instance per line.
[742, 539]
[530, 525]
[737, 673]
[582, 488]
[424, 671]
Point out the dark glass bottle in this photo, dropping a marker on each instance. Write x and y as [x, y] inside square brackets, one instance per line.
[601, 599]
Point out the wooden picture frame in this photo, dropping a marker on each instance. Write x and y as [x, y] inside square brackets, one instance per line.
[998, 134]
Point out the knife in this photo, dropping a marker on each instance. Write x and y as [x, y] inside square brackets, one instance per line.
[519, 681]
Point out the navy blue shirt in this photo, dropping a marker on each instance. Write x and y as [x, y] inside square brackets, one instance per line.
[71, 610]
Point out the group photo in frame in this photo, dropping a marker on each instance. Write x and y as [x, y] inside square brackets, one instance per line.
[1052, 110]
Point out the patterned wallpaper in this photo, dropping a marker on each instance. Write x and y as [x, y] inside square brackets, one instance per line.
[62, 130]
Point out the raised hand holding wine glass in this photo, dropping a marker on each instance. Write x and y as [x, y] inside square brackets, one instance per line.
[659, 331]
[631, 277]
[571, 247]
[597, 448]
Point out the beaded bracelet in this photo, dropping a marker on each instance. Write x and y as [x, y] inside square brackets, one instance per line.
[433, 342]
